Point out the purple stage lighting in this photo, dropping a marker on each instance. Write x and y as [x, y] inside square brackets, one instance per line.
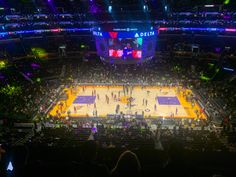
[34, 65]
[217, 50]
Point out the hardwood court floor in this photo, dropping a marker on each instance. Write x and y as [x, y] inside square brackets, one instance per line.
[150, 101]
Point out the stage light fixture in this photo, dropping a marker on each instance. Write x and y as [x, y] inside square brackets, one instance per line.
[145, 8]
[226, 2]
[166, 8]
[209, 5]
[110, 9]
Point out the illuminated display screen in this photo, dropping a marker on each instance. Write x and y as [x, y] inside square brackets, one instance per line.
[125, 34]
[125, 47]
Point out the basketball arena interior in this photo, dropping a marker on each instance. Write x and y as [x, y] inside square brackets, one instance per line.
[117, 88]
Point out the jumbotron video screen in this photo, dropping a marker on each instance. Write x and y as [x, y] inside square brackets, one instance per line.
[125, 48]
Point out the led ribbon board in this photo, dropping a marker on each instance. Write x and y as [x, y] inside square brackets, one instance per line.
[57, 30]
[197, 29]
[113, 34]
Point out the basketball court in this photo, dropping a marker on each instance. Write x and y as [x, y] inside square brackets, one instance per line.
[142, 101]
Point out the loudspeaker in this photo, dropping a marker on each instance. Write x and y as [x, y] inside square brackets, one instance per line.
[149, 46]
[102, 46]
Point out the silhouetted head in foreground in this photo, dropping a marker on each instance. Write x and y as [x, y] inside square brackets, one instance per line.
[127, 165]
[89, 151]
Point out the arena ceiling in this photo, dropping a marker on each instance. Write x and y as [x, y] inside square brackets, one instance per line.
[175, 5]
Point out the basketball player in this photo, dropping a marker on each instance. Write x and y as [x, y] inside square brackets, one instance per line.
[127, 51]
